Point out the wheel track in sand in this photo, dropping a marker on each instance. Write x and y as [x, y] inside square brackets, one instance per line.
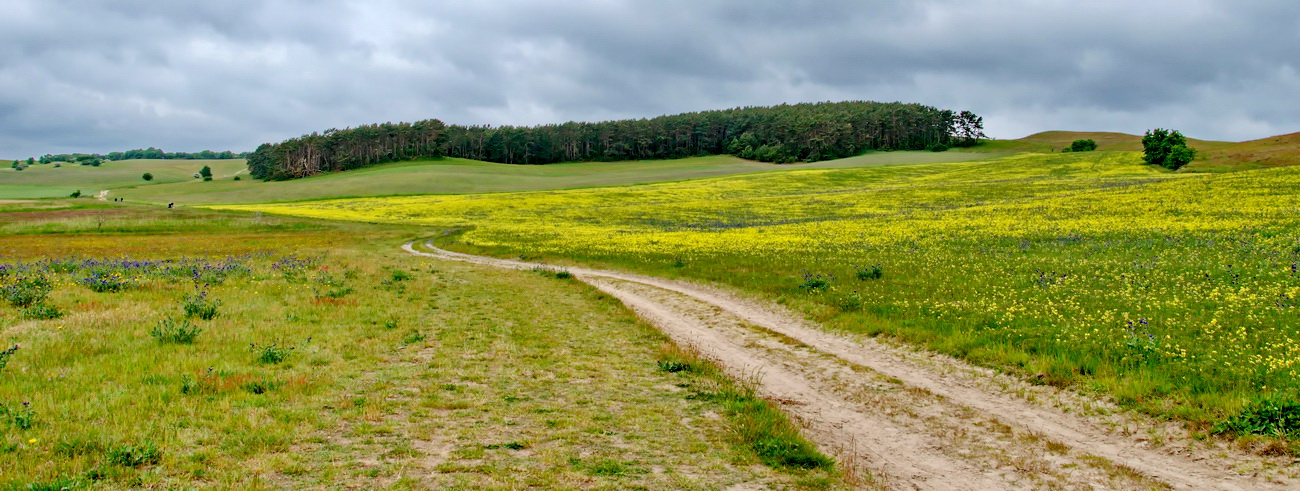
[909, 420]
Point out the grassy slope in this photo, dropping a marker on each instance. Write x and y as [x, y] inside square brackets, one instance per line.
[458, 176]
[414, 376]
[47, 181]
[1213, 156]
[1041, 263]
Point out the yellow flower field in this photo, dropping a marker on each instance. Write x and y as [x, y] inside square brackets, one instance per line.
[1174, 292]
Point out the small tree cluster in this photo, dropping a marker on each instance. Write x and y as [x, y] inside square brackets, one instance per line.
[1086, 145]
[1166, 148]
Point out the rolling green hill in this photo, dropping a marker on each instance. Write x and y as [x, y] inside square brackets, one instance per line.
[459, 176]
[48, 181]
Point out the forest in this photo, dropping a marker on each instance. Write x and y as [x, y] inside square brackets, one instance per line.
[140, 153]
[781, 134]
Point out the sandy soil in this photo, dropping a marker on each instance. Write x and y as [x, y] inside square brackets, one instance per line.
[916, 420]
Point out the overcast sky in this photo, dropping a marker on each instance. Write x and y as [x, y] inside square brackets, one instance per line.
[98, 76]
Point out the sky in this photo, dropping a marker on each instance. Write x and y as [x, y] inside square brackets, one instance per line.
[100, 76]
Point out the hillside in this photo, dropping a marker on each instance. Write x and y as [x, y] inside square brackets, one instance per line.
[784, 133]
[1212, 156]
[459, 176]
[48, 181]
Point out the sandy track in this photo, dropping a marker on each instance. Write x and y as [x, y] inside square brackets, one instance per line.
[914, 421]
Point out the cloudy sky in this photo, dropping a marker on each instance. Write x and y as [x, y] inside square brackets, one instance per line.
[98, 76]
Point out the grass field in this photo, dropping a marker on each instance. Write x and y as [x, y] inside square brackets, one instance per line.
[47, 181]
[187, 348]
[1172, 292]
[460, 176]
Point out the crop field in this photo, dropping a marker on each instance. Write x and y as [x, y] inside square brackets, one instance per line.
[147, 347]
[48, 181]
[1173, 293]
[461, 176]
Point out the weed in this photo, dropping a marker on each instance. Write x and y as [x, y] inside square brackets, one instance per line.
[605, 467]
[134, 455]
[873, 272]
[414, 337]
[175, 331]
[390, 324]
[262, 386]
[674, 366]
[22, 418]
[59, 484]
[106, 282]
[813, 283]
[1277, 415]
[563, 274]
[270, 354]
[6, 354]
[198, 304]
[77, 447]
[27, 291]
[42, 311]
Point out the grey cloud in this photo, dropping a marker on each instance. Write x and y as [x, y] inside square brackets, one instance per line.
[100, 75]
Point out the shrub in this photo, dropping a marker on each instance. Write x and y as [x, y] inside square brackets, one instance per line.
[175, 331]
[27, 291]
[147, 176]
[198, 304]
[134, 456]
[1277, 415]
[937, 147]
[1086, 145]
[236, 178]
[75, 194]
[1166, 148]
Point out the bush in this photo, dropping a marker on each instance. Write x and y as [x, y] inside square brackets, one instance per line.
[1166, 148]
[147, 176]
[1083, 146]
[27, 291]
[75, 194]
[175, 332]
[937, 147]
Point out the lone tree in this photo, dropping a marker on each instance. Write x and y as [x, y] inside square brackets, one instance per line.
[147, 176]
[206, 173]
[1083, 146]
[1166, 148]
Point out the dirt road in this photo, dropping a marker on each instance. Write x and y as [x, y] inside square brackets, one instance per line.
[914, 420]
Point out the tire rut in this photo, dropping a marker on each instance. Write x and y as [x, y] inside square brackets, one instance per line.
[911, 423]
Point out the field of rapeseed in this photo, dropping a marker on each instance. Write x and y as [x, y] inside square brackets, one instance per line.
[1174, 293]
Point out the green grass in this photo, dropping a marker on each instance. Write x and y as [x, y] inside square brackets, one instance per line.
[47, 181]
[560, 389]
[461, 176]
[1172, 293]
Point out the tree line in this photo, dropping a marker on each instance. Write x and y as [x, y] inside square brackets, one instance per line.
[139, 153]
[781, 134]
